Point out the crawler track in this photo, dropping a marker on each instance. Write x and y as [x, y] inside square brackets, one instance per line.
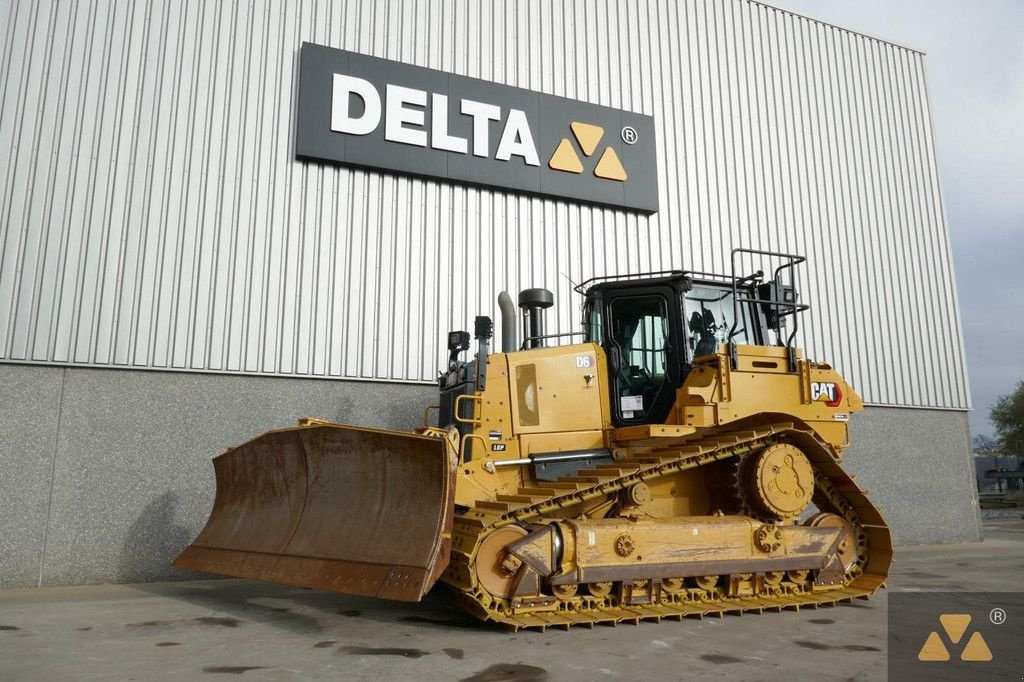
[835, 491]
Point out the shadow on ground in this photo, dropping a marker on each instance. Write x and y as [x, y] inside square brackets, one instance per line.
[308, 611]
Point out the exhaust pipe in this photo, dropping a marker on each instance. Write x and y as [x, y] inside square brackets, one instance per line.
[509, 343]
[533, 303]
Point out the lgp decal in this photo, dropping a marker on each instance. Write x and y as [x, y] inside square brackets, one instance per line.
[827, 392]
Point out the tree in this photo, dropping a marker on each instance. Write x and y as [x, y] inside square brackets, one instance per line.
[1008, 417]
[987, 446]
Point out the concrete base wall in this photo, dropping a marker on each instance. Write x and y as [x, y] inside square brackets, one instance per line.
[916, 465]
[105, 474]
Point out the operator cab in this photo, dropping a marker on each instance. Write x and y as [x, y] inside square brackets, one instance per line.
[652, 327]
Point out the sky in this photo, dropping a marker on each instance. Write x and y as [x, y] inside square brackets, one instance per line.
[974, 67]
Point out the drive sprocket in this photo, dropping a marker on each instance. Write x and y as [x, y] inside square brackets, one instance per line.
[775, 484]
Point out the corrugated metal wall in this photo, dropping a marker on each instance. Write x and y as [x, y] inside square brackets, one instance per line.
[152, 213]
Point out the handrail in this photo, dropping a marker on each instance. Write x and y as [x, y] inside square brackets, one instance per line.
[792, 260]
[462, 445]
[527, 340]
[472, 420]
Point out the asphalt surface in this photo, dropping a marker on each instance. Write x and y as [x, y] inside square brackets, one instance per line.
[224, 629]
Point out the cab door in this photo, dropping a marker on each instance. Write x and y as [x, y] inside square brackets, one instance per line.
[641, 333]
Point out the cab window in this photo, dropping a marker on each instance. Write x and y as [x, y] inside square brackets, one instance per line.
[592, 327]
[708, 313]
[640, 331]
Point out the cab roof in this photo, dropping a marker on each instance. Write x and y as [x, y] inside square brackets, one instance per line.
[675, 278]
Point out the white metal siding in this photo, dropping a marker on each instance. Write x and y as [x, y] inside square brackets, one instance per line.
[152, 213]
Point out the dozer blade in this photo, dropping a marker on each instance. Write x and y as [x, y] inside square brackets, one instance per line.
[340, 508]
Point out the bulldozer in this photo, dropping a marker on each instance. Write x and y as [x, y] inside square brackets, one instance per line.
[676, 457]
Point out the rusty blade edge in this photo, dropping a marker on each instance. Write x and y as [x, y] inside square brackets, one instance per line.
[402, 583]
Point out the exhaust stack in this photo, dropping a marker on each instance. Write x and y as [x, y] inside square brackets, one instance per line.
[533, 303]
[509, 344]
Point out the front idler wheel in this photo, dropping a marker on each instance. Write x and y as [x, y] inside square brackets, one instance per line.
[847, 547]
[496, 568]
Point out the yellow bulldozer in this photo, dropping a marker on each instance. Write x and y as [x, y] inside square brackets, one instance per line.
[673, 462]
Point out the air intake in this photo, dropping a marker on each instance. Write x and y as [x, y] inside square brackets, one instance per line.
[533, 303]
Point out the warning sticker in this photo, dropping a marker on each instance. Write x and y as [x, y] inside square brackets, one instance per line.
[631, 403]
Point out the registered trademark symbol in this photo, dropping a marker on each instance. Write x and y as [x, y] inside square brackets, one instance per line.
[997, 616]
[629, 135]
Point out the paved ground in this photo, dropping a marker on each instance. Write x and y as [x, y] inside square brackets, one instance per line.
[225, 628]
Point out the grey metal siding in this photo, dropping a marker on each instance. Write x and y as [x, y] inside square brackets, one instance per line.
[152, 213]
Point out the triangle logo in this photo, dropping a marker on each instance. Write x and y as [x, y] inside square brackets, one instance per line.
[955, 625]
[587, 135]
[609, 167]
[976, 649]
[565, 159]
[933, 649]
[588, 138]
